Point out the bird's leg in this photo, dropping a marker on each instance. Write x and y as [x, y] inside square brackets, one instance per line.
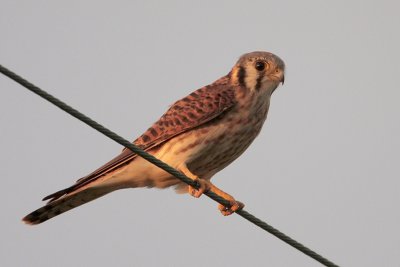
[205, 186]
[235, 205]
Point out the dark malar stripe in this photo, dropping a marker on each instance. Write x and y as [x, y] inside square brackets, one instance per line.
[241, 75]
[258, 82]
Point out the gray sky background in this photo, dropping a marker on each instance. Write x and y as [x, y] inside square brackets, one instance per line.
[324, 170]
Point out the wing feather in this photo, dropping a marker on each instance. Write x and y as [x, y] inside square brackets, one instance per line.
[196, 109]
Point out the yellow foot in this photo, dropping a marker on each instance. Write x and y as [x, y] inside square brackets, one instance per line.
[204, 187]
[235, 206]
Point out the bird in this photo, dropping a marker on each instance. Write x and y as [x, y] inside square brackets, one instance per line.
[199, 135]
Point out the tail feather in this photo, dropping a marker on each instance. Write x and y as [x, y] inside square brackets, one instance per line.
[56, 195]
[64, 204]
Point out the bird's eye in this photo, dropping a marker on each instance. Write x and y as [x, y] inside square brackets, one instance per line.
[276, 70]
[260, 65]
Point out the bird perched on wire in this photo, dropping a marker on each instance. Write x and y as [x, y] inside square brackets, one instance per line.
[199, 135]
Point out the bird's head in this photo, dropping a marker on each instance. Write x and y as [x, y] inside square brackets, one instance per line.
[259, 71]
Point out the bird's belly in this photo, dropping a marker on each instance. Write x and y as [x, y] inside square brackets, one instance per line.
[220, 151]
[209, 149]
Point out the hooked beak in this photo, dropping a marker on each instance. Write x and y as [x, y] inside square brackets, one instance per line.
[278, 78]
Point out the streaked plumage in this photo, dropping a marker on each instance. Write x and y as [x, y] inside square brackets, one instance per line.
[199, 135]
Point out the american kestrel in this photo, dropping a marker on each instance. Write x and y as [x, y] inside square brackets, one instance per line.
[199, 135]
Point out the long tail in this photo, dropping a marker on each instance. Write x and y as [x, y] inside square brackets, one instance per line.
[65, 203]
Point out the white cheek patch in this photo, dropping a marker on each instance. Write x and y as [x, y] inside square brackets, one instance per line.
[251, 78]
